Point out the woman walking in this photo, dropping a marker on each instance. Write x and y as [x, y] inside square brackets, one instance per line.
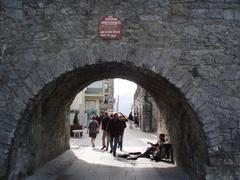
[93, 130]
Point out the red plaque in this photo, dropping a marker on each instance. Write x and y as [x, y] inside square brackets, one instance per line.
[110, 27]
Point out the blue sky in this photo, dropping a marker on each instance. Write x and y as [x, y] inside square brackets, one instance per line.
[125, 89]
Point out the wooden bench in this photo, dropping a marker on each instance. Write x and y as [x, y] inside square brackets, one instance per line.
[77, 133]
[75, 127]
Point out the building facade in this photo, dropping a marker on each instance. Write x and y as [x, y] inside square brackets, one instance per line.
[108, 91]
[92, 100]
[149, 115]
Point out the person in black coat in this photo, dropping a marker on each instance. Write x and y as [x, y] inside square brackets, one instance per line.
[135, 119]
[123, 126]
[114, 131]
[105, 123]
[130, 119]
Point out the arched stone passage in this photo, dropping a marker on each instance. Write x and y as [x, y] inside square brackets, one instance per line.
[43, 131]
[43, 40]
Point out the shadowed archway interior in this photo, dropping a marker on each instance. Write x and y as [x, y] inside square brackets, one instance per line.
[43, 132]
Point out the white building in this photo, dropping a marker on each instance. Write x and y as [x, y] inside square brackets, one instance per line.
[94, 99]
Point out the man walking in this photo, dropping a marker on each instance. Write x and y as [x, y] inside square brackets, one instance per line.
[105, 123]
[122, 127]
[114, 130]
[130, 119]
[136, 121]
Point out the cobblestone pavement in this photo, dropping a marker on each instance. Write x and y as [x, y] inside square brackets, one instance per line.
[83, 162]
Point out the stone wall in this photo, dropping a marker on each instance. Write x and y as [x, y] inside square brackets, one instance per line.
[151, 117]
[147, 111]
[159, 123]
[184, 52]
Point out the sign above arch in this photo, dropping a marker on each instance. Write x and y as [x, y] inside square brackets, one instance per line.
[110, 27]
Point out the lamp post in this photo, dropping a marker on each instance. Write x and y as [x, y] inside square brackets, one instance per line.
[132, 108]
[117, 104]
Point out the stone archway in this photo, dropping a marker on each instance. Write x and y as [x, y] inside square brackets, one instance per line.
[43, 132]
[193, 45]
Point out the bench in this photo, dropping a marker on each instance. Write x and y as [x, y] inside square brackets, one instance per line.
[75, 127]
[77, 133]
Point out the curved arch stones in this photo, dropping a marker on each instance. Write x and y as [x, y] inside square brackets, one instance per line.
[162, 42]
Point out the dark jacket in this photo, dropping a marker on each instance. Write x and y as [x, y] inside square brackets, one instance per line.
[130, 117]
[123, 126]
[93, 126]
[114, 127]
[105, 122]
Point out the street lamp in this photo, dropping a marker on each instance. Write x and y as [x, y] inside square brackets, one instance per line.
[132, 107]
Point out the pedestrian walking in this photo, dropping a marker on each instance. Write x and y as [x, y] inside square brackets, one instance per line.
[130, 120]
[105, 123]
[114, 130]
[93, 129]
[101, 118]
[122, 127]
[97, 118]
[136, 121]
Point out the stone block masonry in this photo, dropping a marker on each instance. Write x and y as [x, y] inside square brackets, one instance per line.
[184, 52]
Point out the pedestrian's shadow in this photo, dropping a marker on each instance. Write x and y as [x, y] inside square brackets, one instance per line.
[99, 150]
[125, 160]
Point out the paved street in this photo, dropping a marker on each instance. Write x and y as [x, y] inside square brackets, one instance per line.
[83, 162]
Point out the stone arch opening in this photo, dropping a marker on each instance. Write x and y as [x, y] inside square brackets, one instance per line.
[43, 131]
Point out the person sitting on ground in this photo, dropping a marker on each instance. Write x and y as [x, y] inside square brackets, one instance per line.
[154, 147]
[151, 152]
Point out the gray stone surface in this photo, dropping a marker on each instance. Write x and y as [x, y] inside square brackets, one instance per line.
[228, 14]
[49, 51]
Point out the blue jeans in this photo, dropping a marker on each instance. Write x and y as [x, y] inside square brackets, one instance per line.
[114, 143]
[120, 141]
